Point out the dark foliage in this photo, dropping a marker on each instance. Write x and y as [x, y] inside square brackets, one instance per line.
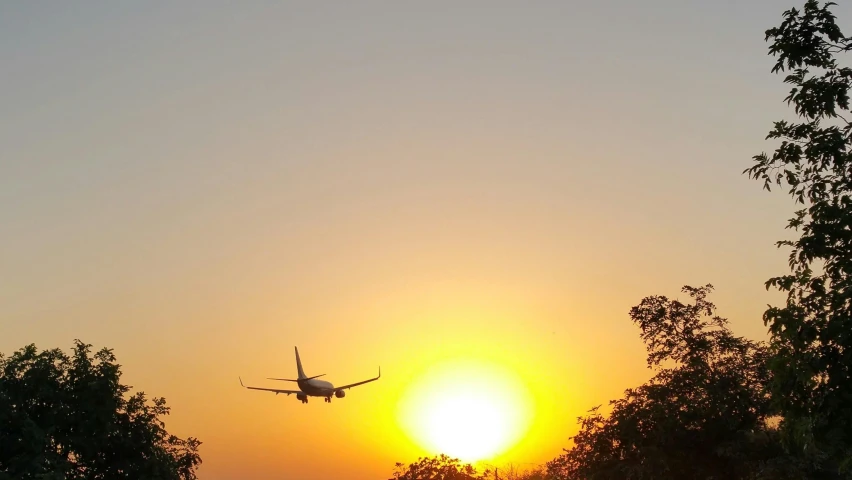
[441, 467]
[512, 473]
[67, 417]
[702, 416]
[812, 333]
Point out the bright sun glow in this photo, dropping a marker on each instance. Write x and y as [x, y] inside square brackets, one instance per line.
[471, 411]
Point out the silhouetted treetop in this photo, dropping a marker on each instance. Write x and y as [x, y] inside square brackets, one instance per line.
[812, 344]
[703, 414]
[441, 467]
[68, 417]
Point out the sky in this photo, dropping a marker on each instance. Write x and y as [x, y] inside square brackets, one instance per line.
[464, 194]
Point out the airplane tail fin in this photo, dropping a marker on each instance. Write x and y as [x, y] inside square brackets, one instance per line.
[302, 375]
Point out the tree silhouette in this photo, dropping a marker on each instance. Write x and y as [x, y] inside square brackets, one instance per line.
[67, 417]
[812, 333]
[440, 467]
[702, 416]
[510, 472]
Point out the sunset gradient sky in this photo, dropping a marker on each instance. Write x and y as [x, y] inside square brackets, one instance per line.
[202, 185]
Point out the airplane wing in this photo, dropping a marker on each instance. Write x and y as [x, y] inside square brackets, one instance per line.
[344, 387]
[277, 391]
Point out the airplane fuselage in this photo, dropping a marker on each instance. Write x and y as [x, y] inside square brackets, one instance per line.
[316, 388]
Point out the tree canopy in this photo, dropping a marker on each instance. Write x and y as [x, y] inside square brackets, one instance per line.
[812, 332]
[709, 414]
[703, 415]
[441, 467]
[69, 417]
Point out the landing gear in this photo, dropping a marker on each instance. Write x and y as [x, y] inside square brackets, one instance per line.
[304, 400]
[327, 399]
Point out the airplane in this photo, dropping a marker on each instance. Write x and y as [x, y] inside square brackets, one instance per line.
[310, 386]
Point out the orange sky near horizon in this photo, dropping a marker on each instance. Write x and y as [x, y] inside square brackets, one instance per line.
[201, 186]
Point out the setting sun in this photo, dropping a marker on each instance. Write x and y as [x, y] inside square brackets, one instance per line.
[471, 411]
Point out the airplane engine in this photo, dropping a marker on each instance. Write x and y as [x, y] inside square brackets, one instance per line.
[340, 394]
[302, 397]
